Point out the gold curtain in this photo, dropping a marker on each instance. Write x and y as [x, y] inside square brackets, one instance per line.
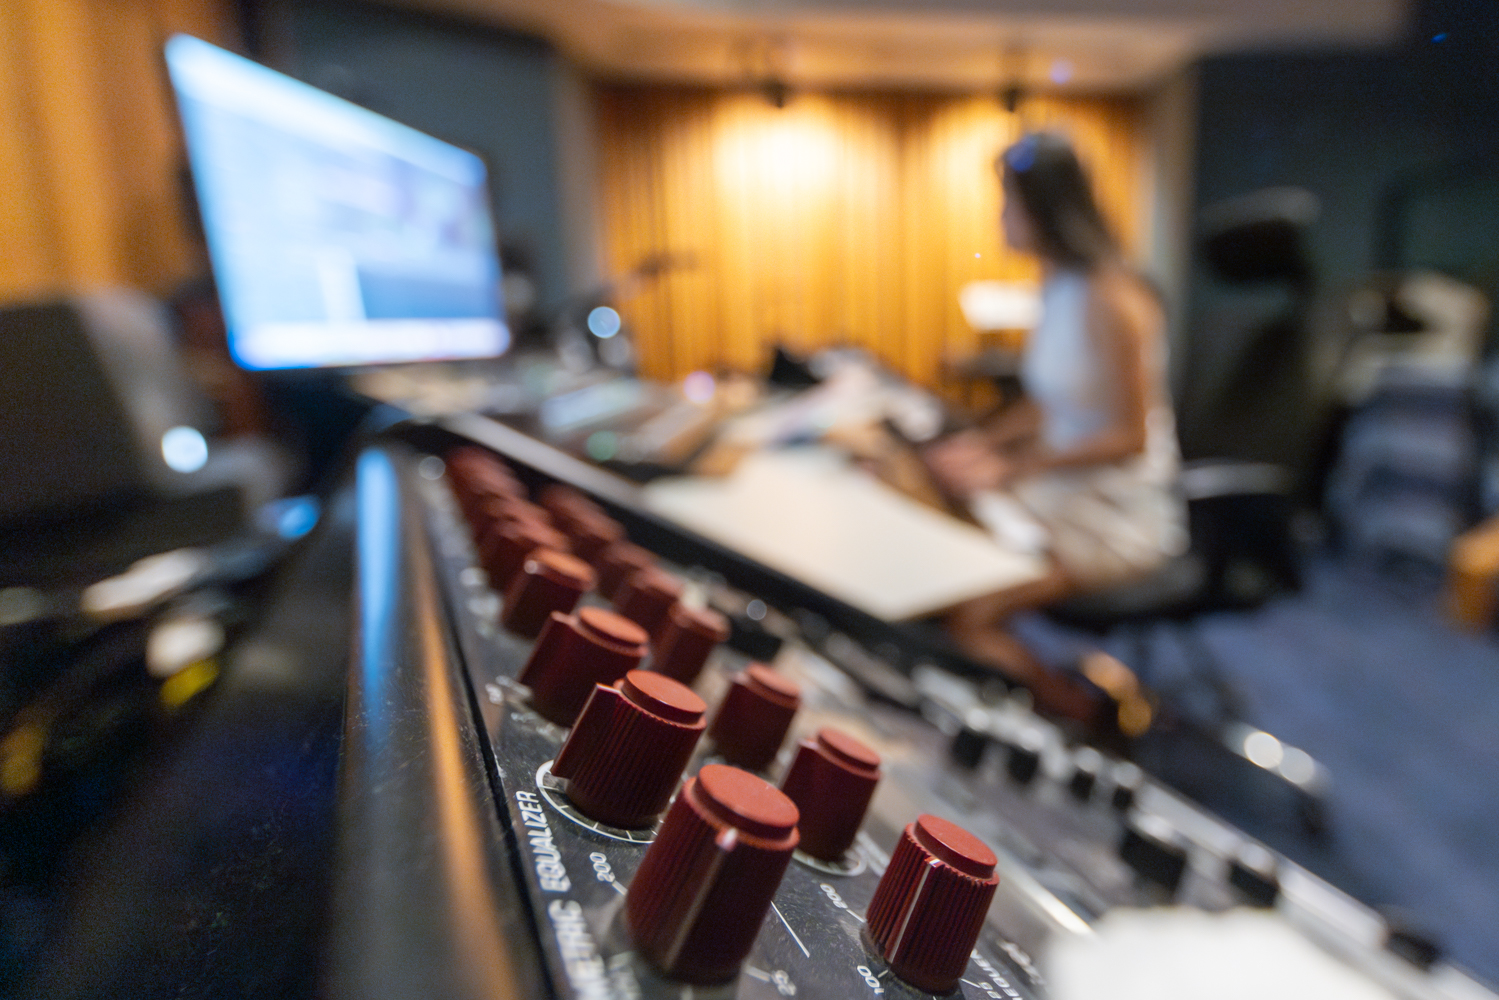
[852, 219]
[89, 146]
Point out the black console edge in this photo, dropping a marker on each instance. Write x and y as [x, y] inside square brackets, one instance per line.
[424, 902]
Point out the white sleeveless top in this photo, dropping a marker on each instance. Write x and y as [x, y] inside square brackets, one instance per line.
[1101, 523]
[1078, 393]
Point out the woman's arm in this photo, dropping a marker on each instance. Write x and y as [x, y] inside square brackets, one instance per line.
[1124, 322]
[986, 456]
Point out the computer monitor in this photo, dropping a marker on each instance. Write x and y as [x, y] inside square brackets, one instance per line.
[337, 236]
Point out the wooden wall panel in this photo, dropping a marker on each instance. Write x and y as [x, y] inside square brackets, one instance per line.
[89, 146]
[847, 218]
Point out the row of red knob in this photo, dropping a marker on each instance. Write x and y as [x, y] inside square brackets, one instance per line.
[545, 557]
[521, 545]
[576, 652]
[702, 890]
[633, 739]
[595, 647]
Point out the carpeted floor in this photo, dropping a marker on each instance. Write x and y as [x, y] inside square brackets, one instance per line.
[1360, 671]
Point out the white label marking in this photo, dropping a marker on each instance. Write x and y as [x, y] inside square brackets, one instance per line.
[798, 940]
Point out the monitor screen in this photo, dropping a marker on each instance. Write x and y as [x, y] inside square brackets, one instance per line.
[337, 236]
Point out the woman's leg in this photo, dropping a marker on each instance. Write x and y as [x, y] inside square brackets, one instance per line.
[991, 609]
[978, 627]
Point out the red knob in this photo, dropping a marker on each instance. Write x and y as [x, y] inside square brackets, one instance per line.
[646, 596]
[617, 562]
[629, 747]
[831, 781]
[930, 904]
[574, 653]
[687, 638]
[504, 549]
[754, 717]
[593, 534]
[476, 471]
[483, 509]
[704, 886]
[500, 509]
[565, 502]
[548, 581]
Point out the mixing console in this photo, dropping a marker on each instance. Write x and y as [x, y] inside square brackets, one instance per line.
[686, 821]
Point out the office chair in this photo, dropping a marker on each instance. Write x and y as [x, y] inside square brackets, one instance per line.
[1241, 554]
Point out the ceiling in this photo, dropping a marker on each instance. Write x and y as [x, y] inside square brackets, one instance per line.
[1080, 46]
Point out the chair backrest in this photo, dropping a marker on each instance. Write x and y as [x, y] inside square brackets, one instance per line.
[1248, 386]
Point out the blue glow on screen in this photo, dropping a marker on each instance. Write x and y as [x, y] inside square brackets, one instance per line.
[338, 236]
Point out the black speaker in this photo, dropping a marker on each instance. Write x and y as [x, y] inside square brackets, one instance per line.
[102, 458]
[92, 390]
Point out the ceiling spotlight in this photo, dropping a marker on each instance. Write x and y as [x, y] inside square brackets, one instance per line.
[776, 91]
[1012, 67]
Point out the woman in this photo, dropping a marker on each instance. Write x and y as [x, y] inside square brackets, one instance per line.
[1084, 465]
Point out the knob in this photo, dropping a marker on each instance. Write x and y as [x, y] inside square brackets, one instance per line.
[495, 510]
[754, 716]
[1252, 872]
[488, 513]
[565, 502]
[629, 747]
[968, 746]
[548, 581]
[689, 636]
[473, 507]
[481, 510]
[646, 596]
[1155, 851]
[1127, 783]
[1024, 760]
[475, 481]
[617, 562]
[1086, 764]
[504, 549]
[930, 904]
[574, 653]
[702, 890]
[478, 472]
[593, 534]
[831, 780]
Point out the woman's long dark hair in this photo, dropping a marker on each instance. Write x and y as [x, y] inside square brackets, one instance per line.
[1044, 172]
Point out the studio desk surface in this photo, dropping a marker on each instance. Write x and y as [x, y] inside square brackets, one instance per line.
[810, 514]
[362, 807]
